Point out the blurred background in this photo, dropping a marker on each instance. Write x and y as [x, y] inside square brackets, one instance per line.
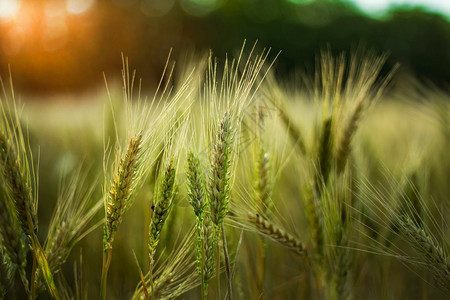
[59, 47]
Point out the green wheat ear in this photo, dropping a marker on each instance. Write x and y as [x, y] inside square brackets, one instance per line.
[206, 233]
[18, 185]
[18, 175]
[162, 207]
[12, 241]
[121, 190]
[118, 200]
[219, 184]
[196, 186]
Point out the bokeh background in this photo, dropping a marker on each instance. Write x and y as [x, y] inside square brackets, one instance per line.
[64, 46]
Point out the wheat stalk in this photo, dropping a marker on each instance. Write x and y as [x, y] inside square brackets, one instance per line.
[315, 224]
[174, 275]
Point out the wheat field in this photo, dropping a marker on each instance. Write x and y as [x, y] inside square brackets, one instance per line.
[228, 183]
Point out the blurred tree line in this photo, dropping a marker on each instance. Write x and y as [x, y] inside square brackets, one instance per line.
[145, 30]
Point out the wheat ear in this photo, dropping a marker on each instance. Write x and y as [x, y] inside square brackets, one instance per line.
[118, 200]
[277, 234]
[12, 239]
[18, 184]
[219, 187]
[263, 184]
[344, 145]
[206, 236]
[121, 190]
[196, 186]
[19, 187]
[435, 257]
[162, 207]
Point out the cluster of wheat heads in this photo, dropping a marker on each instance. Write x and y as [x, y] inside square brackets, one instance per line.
[328, 230]
[227, 184]
[19, 202]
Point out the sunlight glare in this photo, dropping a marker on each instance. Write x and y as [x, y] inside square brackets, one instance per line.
[9, 8]
[78, 6]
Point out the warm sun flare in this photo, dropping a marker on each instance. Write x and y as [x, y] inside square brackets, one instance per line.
[8, 8]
